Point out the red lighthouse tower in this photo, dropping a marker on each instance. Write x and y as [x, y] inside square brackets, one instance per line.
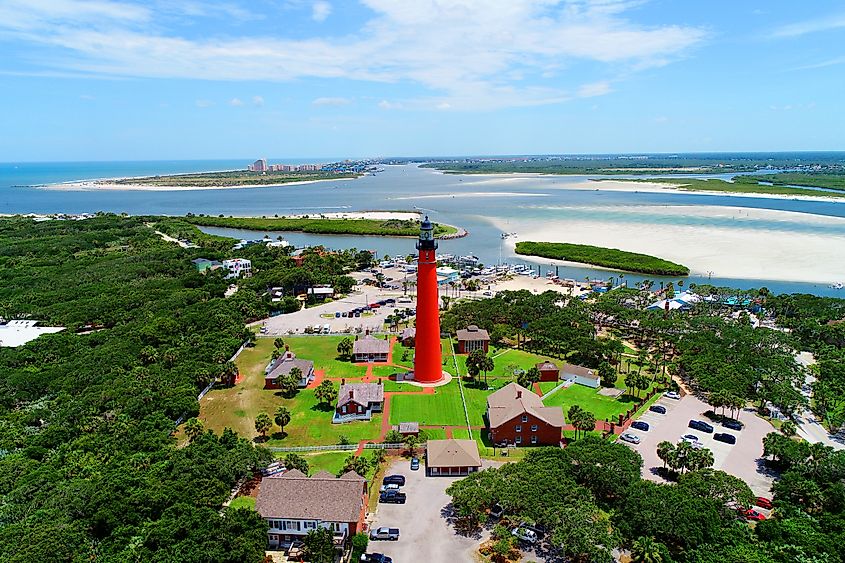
[428, 366]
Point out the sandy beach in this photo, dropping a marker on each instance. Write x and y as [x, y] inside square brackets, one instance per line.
[109, 185]
[758, 244]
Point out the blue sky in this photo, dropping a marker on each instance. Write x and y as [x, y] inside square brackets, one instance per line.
[124, 80]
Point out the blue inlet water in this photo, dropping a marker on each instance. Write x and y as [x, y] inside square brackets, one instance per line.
[473, 202]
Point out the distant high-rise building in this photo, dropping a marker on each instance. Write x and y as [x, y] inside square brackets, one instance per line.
[259, 165]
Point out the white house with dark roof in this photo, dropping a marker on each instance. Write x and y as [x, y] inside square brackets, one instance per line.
[294, 504]
[358, 401]
[283, 365]
[580, 375]
[370, 349]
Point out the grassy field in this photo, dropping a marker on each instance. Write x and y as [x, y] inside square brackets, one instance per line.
[600, 256]
[243, 502]
[316, 224]
[508, 360]
[236, 407]
[589, 399]
[399, 350]
[231, 178]
[322, 350]
[740, 186]
[442, 408]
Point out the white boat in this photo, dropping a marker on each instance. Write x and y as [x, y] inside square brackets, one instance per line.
[837, 286]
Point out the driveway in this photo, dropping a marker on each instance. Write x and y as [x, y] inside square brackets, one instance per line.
[743, 460]
[425, 534]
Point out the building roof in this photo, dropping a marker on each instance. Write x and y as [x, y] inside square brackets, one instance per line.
[548, 365]
[361, 393]
[410, 332]
[201, 261]
[452, 453]
[409, 427]
[580, 371]
[472, 332]
[513, 400]
[321, 290]
[321, 497]
[370, 345]
[287, 362]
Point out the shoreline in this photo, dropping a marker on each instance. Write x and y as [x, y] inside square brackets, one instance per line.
[751, 252]
[104, 185]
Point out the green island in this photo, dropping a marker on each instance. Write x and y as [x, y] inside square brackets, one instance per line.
[600, 256]
[318, 225]
[753, 185]
[233, 178]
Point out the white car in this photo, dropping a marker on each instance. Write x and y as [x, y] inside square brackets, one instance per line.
[389, 487]
[672, 395]
[692, 440]
[628, 437]
[524, 534]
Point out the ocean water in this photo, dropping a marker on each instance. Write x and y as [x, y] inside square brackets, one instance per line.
[472, 202]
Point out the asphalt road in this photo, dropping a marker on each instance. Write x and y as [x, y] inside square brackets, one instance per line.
[425, 533]
[742, 460]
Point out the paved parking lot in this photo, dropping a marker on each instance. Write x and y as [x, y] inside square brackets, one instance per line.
[742, 460]
[425, 534]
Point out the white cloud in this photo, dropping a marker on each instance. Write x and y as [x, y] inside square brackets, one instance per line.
[204, 103]
[443, 105]
[258, 101]
[236, 102]
[330, 101]
[384, 104]
[320, 10]
[797, 29]
[473, 54]
[594, 89]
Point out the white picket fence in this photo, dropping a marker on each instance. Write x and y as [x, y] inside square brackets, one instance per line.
[337, 448]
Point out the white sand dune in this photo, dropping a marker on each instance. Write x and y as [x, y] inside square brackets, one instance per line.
[751, 250]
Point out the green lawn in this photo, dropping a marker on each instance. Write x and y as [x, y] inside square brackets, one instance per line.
[511, 358]
[434, 433]
[546, 386]
[461, 433]
[442, 408]
[399, 351]
[322, 350]
[589, 399]
[386, 371]
[236, 407]
[243, 502]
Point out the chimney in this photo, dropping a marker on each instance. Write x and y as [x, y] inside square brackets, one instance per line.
[519, 393]
[343, 381]
[351, 392]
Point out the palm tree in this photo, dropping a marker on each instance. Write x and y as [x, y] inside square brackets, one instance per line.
[664, 451]
[574, 414]
[193, 429]
[263, 424]
[282, 417]
[646, 550]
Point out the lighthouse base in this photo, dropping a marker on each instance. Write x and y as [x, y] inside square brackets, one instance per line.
[445, 378]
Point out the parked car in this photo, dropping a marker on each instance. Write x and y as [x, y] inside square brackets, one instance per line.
[415, 463]
[732, 424]
[691, 439]
[752, 514]
[724, 437]
[659, 409]
[524, 534]
[763, 502]
[397, 479]
[672, 395]
[701, 425]
[389, 487]
[376, 558]
[496, 511]
[628, 437]
[384, 533]
[640, 425]
[392, 497]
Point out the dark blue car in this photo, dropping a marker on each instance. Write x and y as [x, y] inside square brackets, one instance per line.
[659, 409]
[640, 425]
[701, 425]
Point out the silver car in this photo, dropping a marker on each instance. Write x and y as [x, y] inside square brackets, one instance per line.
[628, 437]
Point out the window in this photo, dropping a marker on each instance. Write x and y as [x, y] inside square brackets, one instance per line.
[518, 428]
[518, 440]
[533, 439]
[533, 427]
[343, 409]
[310, 525]
[525, 418]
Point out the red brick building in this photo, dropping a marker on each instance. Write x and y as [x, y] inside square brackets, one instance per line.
[548, 371]
[473, 338]
[517, 416]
